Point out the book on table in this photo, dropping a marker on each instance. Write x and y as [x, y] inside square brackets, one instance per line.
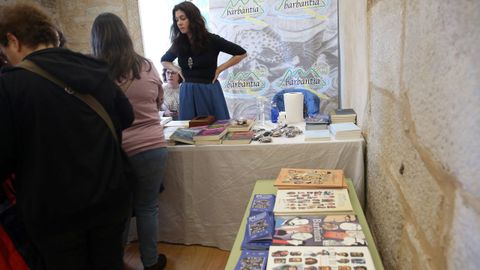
[262, 203]
[345, 131]
[185, 135]
[343, 116]
[241, 124]
[220, 123]
[320, 230]
[252, 260]
[202, 120]
[312, 202]
[317, 122]
[259, 227]
[177, 123]
[317, 135]
[316, 127]
[165, 119]
[210, 134]
[260, 209]
[238, 137]
[294, 178]
[319, 258]
[258, 231]
[209, 142]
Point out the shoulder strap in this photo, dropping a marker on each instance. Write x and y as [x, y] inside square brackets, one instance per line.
[88, 99]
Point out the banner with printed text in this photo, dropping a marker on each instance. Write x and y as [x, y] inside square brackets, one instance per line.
[291, 44]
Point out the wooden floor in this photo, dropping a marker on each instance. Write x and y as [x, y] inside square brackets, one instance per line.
[180, 257]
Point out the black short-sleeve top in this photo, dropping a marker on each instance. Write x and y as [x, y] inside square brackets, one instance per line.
[201, 67]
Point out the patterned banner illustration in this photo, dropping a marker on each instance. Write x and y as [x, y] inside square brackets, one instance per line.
[291, 44]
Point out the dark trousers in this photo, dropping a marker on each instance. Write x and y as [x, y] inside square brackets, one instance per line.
[95, 248]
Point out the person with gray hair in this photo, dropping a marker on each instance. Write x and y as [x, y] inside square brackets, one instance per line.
[72, 178]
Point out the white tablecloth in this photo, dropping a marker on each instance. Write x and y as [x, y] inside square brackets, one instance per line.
[207, 187]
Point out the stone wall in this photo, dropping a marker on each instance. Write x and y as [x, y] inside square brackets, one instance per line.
[75, 18]
[421, 127]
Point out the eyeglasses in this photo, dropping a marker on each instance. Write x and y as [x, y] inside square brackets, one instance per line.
[170, 72]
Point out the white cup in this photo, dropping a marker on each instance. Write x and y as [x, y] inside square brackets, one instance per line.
[282, 118]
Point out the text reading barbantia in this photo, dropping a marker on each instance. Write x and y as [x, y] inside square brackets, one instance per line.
[300, 4]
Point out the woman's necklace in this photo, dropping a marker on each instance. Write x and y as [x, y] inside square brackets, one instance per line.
[190, 62]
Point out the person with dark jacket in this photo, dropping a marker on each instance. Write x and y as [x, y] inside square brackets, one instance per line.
[3, 62]
[73, 193]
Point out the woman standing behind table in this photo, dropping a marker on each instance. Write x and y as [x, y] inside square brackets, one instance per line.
[143, 141]
[197, 51]
[171, 99]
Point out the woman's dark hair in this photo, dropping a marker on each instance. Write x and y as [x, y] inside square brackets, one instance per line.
[28, 23]
[197, 28]
[164, 76]
[112, 43]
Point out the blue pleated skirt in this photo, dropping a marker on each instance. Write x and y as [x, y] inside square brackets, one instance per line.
[199, 99]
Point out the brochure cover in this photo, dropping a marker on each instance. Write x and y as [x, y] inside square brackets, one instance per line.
[252, 260]
[319, 258]
[262, 203]
[312, 202]
[322, 230]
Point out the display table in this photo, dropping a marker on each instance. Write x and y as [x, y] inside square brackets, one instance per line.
[206, 187]
[266, 187]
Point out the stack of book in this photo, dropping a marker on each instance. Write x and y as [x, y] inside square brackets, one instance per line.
[238, 137]
[239, 131]
[317, 135]
[212, 134]
[343, 116]
[185, 135]
[317, 122]
[258, 233]
[345, 131]
[200, 135]
[260, 223]
[315, 226]
[241, 125]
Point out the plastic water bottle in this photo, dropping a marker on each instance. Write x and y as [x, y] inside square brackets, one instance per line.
[274, 113]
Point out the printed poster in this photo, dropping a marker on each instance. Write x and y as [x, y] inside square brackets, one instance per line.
[291, 44]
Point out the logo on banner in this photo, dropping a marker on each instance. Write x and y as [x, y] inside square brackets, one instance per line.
[245, 82]
[296, 4]
[240, 9]
[313, 78]
[303, 8]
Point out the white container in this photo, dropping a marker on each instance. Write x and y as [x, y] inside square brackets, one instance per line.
[293, 107]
